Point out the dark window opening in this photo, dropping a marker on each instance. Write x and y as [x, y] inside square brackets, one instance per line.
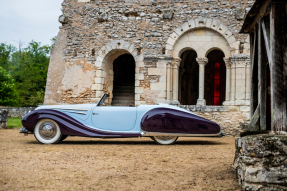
[188, 78]
[215, 78]
[124, 81]
[216, 83]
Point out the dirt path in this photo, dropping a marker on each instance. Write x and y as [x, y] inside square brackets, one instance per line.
[116, 164]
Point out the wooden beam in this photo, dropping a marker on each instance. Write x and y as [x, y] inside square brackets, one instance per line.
[266, 39]
[262, 93]
[253, 75]
[254, 123]
[278, 31]
[258, 13]
[253, 51]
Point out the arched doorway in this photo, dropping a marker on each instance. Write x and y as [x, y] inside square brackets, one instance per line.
[215, 78]
[188, 78]
[124, 81]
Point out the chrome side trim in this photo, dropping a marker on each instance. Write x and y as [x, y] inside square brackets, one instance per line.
[152, 134]
[82, 113]
[71, 109]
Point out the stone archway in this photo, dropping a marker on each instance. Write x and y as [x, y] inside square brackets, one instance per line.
[124, 81]
[188, 78]
[203, 36]
[202, 23]
[110, 53]
[215, 78]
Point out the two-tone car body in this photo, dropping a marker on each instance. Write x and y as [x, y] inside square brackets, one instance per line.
[163, 123]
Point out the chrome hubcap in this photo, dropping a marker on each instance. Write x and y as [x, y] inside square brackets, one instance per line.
[48, 130]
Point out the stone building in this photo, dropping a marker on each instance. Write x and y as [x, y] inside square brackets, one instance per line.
[181, 52]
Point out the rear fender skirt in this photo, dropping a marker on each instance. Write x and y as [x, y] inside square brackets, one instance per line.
[165, 120]
[68, 125]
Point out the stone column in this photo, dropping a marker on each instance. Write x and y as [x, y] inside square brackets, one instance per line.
[233, 78]
[227, 92]
[181, 72]
[201, 62]
[168, 82]
[175, 67]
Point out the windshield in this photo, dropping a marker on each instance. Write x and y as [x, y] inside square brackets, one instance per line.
[102, 100]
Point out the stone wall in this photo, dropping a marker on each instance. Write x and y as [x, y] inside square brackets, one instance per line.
[18, 111]
[232, 119]
[261, 162]
[94, 33]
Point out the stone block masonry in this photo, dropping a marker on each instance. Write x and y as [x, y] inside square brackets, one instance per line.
[94, 33]
[231, 120]
[172, 44]
[261, 162]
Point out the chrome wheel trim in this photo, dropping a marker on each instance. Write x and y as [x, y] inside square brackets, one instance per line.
[165, 140]
[47, 131]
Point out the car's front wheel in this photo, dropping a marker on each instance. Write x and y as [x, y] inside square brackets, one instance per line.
[47, 131]
[165, 140]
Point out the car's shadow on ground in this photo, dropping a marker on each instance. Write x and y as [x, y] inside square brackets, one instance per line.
[110, 142]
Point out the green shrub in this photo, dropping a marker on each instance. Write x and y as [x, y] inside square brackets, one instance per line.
[8, 93]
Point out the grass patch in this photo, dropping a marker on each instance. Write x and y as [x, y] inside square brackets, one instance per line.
[14, 123]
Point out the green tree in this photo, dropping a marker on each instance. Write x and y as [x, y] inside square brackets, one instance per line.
[30, 68]
[5, 52]
[8, 93]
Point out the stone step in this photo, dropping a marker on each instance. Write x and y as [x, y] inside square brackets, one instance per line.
[123, 102]
[116, 97]
[128, 94]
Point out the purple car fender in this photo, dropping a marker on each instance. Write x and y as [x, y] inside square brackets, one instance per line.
[165, 120]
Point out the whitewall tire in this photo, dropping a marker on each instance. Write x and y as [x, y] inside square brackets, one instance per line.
[47, 131]
[165, 140]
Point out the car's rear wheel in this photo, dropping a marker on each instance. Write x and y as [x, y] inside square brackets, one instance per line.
[165, 140]
[47, 131]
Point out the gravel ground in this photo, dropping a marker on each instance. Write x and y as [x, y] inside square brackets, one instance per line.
[116, 164]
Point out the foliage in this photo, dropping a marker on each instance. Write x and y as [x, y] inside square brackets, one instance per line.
[5, 52]
[14, 122]
[8, 94]
[29, 69]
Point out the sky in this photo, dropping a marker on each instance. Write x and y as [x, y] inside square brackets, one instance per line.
[27, 20]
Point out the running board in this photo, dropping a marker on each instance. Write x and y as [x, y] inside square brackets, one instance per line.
[154, 134]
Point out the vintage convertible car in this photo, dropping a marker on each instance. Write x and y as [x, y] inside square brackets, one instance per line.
[163, 123]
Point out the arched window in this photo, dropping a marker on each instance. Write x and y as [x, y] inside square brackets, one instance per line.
[188, 78]
[215, 78]
[216, 83]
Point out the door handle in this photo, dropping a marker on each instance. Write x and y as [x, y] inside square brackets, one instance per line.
[95, 113]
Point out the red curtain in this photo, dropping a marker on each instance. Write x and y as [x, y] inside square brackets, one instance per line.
[216, 83]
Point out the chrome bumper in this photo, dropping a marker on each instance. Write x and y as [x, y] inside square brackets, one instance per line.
[25, 131]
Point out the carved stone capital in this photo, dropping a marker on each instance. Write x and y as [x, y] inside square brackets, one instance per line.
[176, 62]
[240, 60]
[202, 61]
[227, 62]
[168, 64]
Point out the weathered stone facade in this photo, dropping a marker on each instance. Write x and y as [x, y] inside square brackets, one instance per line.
[162, 38]
[261, 162]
